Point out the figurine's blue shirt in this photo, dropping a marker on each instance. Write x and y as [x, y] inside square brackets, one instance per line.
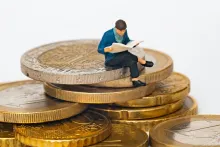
[107, 39]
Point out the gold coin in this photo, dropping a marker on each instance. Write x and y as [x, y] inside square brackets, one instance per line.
[7, 136]
[193, 131]
[115, 112]
[82, 130]
[172, 89]
[25, 102]
[189, 108]
[70, 62]
[161, 70]
[125, 136]
[87, 94]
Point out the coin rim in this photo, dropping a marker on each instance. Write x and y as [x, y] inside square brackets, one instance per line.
[98, 98]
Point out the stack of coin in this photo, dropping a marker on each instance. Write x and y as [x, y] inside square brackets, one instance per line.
[53, 113]
[69, 69]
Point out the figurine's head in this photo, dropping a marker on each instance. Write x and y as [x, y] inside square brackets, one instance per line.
[120, 26]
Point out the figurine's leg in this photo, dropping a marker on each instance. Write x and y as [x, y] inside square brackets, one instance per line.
[125, 60]
[143, 62]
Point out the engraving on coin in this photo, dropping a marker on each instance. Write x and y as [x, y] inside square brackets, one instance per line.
[70, 62]
[172, 89]
[198, 132]
[201, 130]
[82, 130]
[87, 94]
[124, 136]
[25, 102]
[160, 71]
[115, 112]
[190, 107]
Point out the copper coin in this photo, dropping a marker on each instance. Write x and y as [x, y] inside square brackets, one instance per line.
[193, 131]
[115, 112]
[190, 107]
[125, 136]
[26, 102]
[70, 62]
[172, 89]
[7, 136]
[82, 130]
[87, 94]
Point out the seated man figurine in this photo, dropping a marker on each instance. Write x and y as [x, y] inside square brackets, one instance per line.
[118, 34]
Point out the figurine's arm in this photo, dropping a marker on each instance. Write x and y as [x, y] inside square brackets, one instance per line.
[102, 44]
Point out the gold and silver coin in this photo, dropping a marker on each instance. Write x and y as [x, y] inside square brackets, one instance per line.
[172, 89]
[193, 131]
[26, 102]
[85, 129]
[190, 107]
[88, 94]
[161, 70]
[125, 136]
[115, 112]
[7, 136]
[70, 62]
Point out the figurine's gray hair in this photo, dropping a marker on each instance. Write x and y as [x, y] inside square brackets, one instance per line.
[120, 24]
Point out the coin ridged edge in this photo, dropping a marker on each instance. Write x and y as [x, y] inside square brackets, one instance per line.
[85, 141]
[10, 142]
[161, 99]
[140, 113]
[147, 124]
[38, 117]
[156, 143]
[108, 97]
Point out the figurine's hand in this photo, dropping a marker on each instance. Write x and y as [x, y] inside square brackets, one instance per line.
[108, 49]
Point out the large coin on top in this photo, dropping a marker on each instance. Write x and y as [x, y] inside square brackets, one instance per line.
[82, 130]
[116, 112]
[193, 131]
[88, 94]
[190, 107]
[70, 62]
[125, 136]
[26, 102]
[7, 136]
[172, 89]
[163, 67]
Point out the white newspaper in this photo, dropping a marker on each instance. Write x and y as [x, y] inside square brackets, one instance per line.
[119, 47]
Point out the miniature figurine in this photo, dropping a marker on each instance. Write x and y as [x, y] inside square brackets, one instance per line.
[119, 34]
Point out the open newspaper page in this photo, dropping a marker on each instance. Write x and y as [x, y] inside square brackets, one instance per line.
[119, 47]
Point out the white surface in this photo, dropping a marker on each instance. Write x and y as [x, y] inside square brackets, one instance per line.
[187, 30]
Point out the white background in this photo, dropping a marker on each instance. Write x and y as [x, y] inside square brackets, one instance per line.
[187, 30]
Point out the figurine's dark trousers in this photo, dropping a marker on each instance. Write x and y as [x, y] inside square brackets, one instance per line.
[125, 59]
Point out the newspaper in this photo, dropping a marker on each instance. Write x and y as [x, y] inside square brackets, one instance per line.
[119, 47]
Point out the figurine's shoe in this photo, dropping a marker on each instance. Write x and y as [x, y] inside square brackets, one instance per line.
[148, 64]
[143, 84]
[138, 83]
